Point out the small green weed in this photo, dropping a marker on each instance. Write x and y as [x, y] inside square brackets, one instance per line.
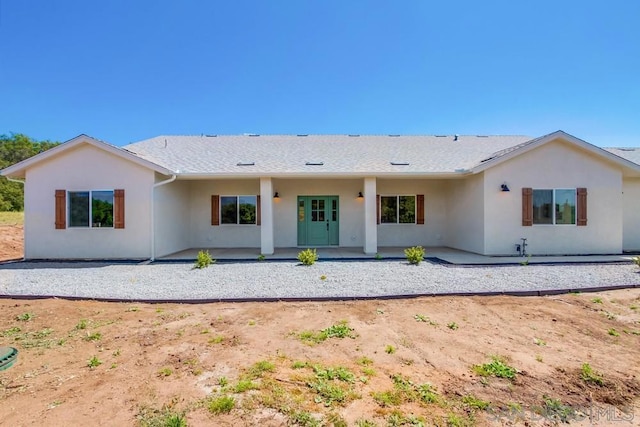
[588, 375]
[364, 361]
[539, 358]
[389, 349]
[636, 260]
[555, 410]
[259, 368]
[308, 256]
[596, 300]
[304, 419]
[299, 365]
[425, 319]
[339, 330]
[538, 341]
[216, 340]
[221, 404]
[165, 417]
[25, 317]
[474, 403]
[261, 257]
[96, 336]
[415, 254]
[94, 362]
[613, 332]
[203, 260]
[365, 423]
[452, 325]
[165, 372]
[245, 385]
[82, 324]
[497, 368]
[323, 277]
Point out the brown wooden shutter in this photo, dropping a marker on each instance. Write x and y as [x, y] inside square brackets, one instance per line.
[215, 210]
[527, 207]
[118, 208]
[581, 207]
[420, 209]
[258, 210]
[61, 209]
[377, 209]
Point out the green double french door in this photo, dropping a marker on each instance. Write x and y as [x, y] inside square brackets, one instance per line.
[318, 220]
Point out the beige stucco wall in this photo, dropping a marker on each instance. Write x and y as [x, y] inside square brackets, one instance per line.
[433, 231]
[631, 214]
[201, 233]
[554, 165]
[465, 214]
[172, 217]
[87, 168]
[351, 213]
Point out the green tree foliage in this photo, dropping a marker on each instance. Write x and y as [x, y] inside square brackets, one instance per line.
[13, 149]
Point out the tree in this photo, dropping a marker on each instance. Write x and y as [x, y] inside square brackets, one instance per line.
[13, 149]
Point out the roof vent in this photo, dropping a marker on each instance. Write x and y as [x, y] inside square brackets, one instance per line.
[482, 136]
[441, 136]
[211, 136]
[314, 163]
[394, 135]
[246, 164]
[455, 137]
[303, 134]
[400, 163]
[254, 134]
[354, 135]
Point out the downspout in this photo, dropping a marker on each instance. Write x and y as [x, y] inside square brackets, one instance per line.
[153, 214]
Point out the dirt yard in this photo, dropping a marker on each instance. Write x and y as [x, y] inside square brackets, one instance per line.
[11, 241]
[402, 362]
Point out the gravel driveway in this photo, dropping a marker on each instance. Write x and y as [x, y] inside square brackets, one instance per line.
[288, 279]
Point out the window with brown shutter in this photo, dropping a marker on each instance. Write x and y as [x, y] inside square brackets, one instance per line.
[377, 209]
[258, 210]
[420, 209]
[118, 208]
[215, 210]
[581, 206]
[527, 207]
[61, 209]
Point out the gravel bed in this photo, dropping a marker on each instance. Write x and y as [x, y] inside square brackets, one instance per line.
[288, 279]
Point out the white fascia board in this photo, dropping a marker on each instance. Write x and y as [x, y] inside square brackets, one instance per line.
[18, 170]
[534, 143]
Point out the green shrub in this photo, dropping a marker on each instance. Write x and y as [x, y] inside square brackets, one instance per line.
[636, 260]
[415, 254]
[308, 256]
[204, 259]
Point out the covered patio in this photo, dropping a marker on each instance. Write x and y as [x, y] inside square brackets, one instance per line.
[442, 254]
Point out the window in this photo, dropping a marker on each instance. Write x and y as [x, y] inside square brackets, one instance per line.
[93, 209]
[398, 209]
[554, 206]
[238, 209]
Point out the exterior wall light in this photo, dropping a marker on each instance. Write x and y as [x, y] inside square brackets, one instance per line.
[276, 195]
[360, 196]
[504, 187]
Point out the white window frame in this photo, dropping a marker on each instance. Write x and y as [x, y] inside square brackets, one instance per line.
[553, 206]
[113, 214]
[237, 197]
[397, 196]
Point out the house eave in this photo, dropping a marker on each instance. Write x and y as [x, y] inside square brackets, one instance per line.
[329, 175]
[19, 169]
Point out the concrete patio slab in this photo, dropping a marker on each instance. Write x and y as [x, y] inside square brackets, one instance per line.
[447, 255]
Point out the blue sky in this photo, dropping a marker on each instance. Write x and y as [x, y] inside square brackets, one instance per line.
[124, 70]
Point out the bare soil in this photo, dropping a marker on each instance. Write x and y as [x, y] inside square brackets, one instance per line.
[164, 359]
[11, 242]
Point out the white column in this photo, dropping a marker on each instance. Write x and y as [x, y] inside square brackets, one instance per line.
[266, 220]
[370, 220]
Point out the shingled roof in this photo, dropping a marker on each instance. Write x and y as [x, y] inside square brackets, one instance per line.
[283, 155]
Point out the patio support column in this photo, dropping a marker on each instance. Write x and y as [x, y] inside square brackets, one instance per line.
[370, 219]
[266, 212]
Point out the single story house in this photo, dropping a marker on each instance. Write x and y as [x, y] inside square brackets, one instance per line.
[88, 199]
